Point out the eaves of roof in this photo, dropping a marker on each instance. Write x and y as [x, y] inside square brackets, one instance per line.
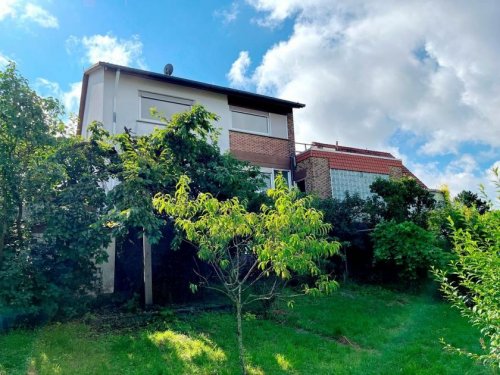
[235, 97]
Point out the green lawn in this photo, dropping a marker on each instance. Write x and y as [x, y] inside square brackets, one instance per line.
[359, 330]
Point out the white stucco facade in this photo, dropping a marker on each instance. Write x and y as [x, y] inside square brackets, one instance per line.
[107, 86]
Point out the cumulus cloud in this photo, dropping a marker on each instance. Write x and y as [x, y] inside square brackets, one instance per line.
[69, 98]
[7, 8]
[4, 60]
[108, 48]
[40, 16]
[368, 68]
[237, 74]
[27, 13]
[230, 14]
[461, 174]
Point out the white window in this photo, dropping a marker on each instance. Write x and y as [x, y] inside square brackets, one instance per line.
[269, 175]
[250, 120]
[164, 104]
[258, 122]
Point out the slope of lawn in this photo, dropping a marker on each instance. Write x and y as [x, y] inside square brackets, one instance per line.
[359, 330]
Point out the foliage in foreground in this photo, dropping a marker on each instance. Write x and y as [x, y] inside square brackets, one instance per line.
[152, 164]
[51, 195]
[284, 238]
[473, 285]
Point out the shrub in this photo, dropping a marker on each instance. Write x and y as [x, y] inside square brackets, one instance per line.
[473, 283]
[407, 249]
[403, 200]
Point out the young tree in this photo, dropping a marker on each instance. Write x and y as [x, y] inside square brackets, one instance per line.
[284, 238]
[472, 284]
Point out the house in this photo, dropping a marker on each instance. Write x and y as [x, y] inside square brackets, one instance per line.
[332, 170]
[254, 128]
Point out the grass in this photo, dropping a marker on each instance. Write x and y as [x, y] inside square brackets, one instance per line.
[359, 330]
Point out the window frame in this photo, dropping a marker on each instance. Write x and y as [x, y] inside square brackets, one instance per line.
[251, 112]
[273, 176]
[162, 98]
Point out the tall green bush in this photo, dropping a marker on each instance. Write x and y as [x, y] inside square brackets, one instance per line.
[472, 284]
[407, 248]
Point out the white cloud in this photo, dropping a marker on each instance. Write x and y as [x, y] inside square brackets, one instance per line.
[109, 48]
[367, 68]
[461, 174]
[230, 14]
[237, 74]
[7, 8]
[4, 60]
[40, 16]
[70, 98]
[29, 13]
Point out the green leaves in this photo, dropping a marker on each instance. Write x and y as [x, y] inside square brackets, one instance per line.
[472, 282]
[412, 249]
[285, 238]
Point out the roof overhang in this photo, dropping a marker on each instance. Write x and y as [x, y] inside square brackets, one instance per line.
[235, 97]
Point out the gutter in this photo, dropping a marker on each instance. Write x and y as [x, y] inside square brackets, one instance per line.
[83, 98]
[117, 79]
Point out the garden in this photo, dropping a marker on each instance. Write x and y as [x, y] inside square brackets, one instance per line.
[394, 283]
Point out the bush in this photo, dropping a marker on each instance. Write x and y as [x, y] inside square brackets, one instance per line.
[407, 250]
[473, 283]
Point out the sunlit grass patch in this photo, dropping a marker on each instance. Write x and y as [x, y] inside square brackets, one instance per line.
[188, 348]
[283, 363]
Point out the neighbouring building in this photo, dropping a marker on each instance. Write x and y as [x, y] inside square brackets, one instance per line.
[254, 128]
[332, 170]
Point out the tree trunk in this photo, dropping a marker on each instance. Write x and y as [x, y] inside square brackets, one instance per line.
[19, 225]
[240, 333]
[148, 279]
[346, 268]
[2, 240]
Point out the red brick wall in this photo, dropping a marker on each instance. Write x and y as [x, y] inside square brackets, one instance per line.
[317, 176]
[263, 150]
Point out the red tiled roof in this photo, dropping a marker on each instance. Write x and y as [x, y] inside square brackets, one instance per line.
[408, 173]
[362, 164]
[366, 162]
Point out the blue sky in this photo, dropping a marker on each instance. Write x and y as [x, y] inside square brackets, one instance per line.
[419, 79]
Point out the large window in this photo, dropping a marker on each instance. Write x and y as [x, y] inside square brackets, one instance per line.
[251, 121]
[269, 175]
[164, 104]
[352, 182]
[259, 122]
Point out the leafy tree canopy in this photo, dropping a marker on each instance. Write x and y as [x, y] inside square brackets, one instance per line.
[470, 199]
[403, 200]
[472, 283]
[151, 164]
